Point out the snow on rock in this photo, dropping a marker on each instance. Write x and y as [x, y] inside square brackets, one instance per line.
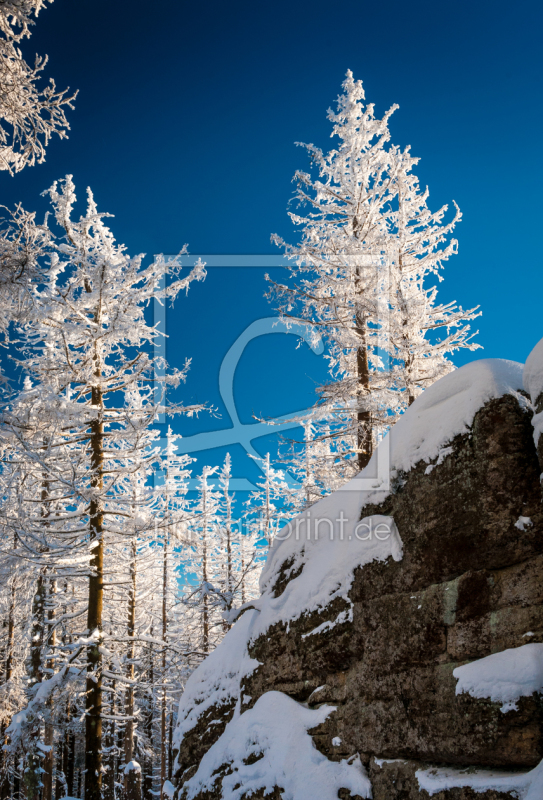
[328, 543]
[168, 790]
[310, 564]
[274, 736]
[216, 682]
[505, 676]
[447, 408]
[533, 372]
[344, 542]
[533, 383]
[522, 785]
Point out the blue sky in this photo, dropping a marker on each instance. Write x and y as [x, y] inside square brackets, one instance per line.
[185, 127]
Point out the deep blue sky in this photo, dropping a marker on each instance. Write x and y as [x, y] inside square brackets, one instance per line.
[185, 127]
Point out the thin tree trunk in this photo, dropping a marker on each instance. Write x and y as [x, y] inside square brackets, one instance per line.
[205, 574]
[4, 770]
[148, 775]
[93, 705]
[268, 529]
[364, 418]
[17, 781]
[133, 776]
[129, 708]
[229, 578]
[11, 626]
[60, 780]
[109, 791]
[163, 753]
[32, 777]
[242, 552]
[48, 759]
[70, 764]
[170, 746]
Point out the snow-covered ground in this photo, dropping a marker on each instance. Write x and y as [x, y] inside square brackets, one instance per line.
[217, 680]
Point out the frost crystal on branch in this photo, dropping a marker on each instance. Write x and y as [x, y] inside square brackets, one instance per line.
[29, 115]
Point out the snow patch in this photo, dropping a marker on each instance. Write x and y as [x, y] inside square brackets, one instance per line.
[216, 682]
[533, 372]
[168, 790]
[329, 554]
[523, 522]
[505, 676]
[523, 785]
[447, 408]
[443, 453]
[343, 616]
[274, 735]
[533, 384]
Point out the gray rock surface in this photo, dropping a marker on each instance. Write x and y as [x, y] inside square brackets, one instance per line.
[470, 584]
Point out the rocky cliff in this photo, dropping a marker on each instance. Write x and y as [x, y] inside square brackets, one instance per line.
[396, 651]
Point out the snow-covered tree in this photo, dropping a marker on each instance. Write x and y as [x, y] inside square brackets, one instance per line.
[268, 507]
[418, 243]
[86, 352]
[367, 244]
[30, 115]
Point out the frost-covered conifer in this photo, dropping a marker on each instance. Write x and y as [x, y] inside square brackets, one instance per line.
[86, 352]
[269, 506]
[368, 244]
[421, 333]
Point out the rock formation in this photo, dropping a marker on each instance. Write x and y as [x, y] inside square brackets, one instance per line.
[397, 654]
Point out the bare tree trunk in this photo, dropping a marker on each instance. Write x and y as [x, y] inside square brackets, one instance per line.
[16, 781]
[364, 418]
[60, 779]
[132, 778]
[132, 782]
[163, 753]
[204, 569]
[32, 777]
[267, 524]
[148, 774]
[4, 769]
[242, 550]
[109, 791]
[129, 708]
[170, 746]
[48, 759]
[69, 762]
[229, 577]
[11, 625]
[93, 705]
